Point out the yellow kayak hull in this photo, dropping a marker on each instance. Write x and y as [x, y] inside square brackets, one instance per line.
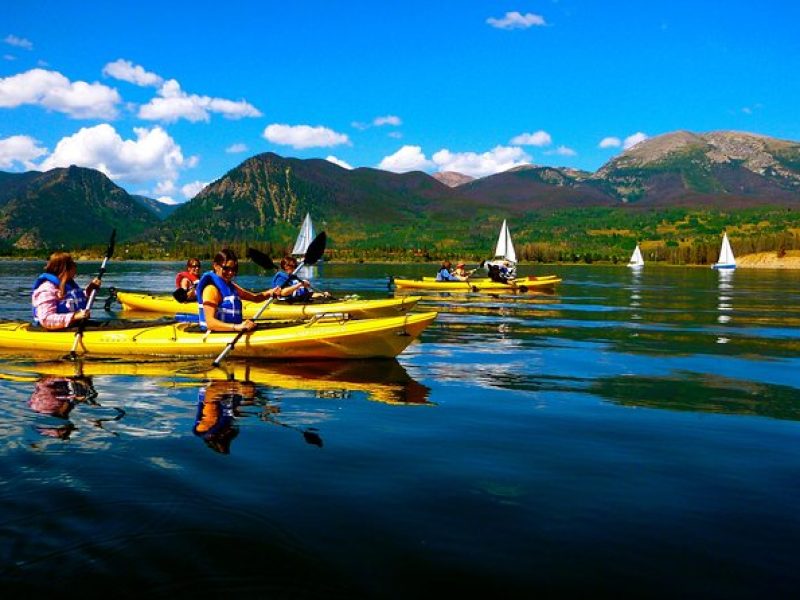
[356, 309]
[325, 338]
[477, 285]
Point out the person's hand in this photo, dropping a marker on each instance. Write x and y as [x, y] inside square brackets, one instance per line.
[80, 315]
[94, 284]
[246, 326]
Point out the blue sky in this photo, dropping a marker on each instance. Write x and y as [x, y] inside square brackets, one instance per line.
[165, 97]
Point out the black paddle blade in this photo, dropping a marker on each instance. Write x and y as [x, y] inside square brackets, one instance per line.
[313, 438]
[261, 259]
[111, 243]
[315, 249]
[181, 295]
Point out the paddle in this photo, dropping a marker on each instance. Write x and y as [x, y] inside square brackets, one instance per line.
[82, 325]
[266, 263]
[314, 252]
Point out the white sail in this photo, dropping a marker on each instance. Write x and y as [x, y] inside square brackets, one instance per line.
[636, 258]
[304, 238]
[726, 258]
[505, 248]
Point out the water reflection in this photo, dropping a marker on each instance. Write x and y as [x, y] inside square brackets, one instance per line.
[219, 405]
[725, 300]
[57, 396]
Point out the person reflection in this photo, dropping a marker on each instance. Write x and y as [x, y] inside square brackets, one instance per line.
[217, 408]
[57, 396]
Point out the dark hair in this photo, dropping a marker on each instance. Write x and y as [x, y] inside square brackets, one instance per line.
[288, 260]
[224, 256]
[193, 261]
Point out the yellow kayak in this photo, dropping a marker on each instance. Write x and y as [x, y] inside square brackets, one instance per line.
[319, 338]
[476, 285]
[356, 309]
[518, 279]
[382, 381]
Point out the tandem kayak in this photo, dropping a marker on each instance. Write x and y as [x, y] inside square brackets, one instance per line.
[319, 338]
[356, 308]
[477, 285]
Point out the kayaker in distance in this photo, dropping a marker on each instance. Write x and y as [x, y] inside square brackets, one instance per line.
[289, 285]
[445, 273]
[58, 302]
[220, 299]
[461, 273]
[187, 279]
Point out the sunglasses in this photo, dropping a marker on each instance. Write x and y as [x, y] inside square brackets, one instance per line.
[229, 269]
[194, 266]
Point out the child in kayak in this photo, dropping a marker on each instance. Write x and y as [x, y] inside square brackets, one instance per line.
[58, 302]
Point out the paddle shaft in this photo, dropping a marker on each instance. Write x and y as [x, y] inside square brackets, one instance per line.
[93, 294]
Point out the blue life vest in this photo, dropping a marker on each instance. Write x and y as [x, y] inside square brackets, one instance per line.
[74, 297]
[283, 279]
[229, 310]
[445, 275]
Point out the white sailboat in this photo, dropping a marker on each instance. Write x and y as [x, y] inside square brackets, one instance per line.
[504, 250]
[636, 261]
[304, 237]
[726, 258]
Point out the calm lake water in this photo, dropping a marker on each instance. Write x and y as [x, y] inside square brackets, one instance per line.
[628, 434]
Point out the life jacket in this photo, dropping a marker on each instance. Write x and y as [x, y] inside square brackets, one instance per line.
[284, 280]
[229, 310]
[74, 297]
[186, 275]
[444, 275]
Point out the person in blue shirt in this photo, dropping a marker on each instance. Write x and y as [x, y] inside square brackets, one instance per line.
[290, 286]
[445, 273]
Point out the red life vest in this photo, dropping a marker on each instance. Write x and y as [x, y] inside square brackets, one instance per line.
[188, 275]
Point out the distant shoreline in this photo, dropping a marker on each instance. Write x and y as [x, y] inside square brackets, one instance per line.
[770, 260]
[758, 260]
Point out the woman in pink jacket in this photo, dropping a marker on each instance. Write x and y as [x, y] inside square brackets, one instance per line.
[58, 302]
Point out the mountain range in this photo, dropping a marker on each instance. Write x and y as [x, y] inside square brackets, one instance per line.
[266, 197]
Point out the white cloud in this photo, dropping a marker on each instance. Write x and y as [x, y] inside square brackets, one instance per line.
[500, 158]
[539, 138]
[51, 90]
[408, 158]
[562, 151]
[610, 142]
[190, 190]
[515, 20]
[19, 42]
[634, 139]
[125, 70]
[395, 134]
[20, 149]
[168, 200]
[153, 155]
[339, 161]
[174, 104]
[303, 136]
[9, 57]
[236, 148]
[387, 120]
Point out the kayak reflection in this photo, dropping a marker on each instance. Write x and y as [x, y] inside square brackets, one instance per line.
[380, 380]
